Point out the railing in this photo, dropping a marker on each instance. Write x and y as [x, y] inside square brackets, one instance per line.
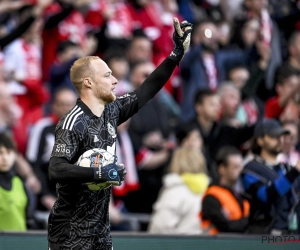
[37, 240]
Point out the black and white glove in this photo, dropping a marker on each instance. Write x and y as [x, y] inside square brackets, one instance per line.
[181, 39]
[113, 173]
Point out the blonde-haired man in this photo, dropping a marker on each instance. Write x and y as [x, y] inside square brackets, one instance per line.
[79, 218]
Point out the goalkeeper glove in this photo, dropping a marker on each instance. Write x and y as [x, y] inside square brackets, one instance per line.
[112, 173]
[181, 39]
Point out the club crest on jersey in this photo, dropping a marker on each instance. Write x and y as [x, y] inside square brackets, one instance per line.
[111, 130]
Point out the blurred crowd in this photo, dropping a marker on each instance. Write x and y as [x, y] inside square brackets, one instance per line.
[215, 151]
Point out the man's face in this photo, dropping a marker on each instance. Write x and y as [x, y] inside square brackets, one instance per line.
[291, 139]
[233, 169]
[209, 36]
[7, 159]
[103, 82]
[239, 77]
[140, 73]
[209, 108]
[272, 145]
[120, 67]
[193, 140]
[288, 86]
[64, 101]
[230, 101]
[140, 50]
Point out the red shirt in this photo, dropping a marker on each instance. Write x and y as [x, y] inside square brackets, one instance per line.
[71, 28]
[273, 109]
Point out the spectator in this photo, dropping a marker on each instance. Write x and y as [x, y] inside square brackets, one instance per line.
[154, 18]
[269, 184]
[268, 34]
[67, 53]
[215, 135]
[252, 107]
[290, 154]
[204, 66]
[294, 51]
[125, 154]
[7, 7]
[246, 36]
[283, 105]
[224, 29]
[64, 21]
[177, 207]
[189, 137]
[9, 114]
[114, 16]
[230, 100]
[239, 75]
[223, 209]
[231, 8]
[150, 132]
[40, 144]
[195, 11]
[245, 33]
[22, 62]
[139, 50]
[14, 205]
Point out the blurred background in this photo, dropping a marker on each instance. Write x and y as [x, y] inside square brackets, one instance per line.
[215, 151]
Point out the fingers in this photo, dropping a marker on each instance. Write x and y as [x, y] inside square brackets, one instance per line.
[177, 27]
[185, 25]
[186, 39]
[187, 32]
[181, 27]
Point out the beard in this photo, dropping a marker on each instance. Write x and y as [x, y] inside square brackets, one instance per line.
[107, 96]
[274, 150]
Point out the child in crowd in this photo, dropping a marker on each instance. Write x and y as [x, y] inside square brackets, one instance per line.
[13, 197]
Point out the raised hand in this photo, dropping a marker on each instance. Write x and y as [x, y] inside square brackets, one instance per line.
[181, 39]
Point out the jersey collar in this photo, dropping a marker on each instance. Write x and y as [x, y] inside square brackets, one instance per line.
[85, 108]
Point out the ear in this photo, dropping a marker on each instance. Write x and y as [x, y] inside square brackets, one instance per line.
[87, 82]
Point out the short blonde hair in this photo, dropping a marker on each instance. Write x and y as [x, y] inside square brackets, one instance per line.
[81, 68]
[187, 160]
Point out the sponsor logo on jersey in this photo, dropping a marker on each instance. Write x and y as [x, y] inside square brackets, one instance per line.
[62, 148]
[111, 130]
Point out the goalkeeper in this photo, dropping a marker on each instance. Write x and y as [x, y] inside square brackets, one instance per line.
[79, 218]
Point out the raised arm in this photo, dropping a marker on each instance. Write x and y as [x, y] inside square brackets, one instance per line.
[156, 80]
